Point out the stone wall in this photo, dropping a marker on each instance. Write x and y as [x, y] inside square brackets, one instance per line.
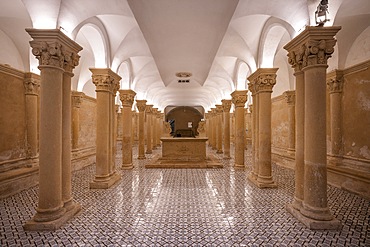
[18, 170]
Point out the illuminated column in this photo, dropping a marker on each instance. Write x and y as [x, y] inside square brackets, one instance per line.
[57, 55]
[106, 82]
[214, 128]
[32, 88]
[238, 99]
[264, 79]
[232, 128]
[309, 52]
[71, 61]
[218, 117]
[290, 100]
[149, 141]
[335, 85]
[127, 98]
[141, 106]
[226, 105]
[76, 104]
[254, 174]
[154, 127]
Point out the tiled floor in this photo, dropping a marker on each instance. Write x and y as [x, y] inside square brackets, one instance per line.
[185, 207]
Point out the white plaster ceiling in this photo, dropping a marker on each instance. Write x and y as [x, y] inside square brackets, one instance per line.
[221, 42]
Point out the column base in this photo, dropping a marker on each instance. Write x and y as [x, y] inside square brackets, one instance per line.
[239, 166]
[227, 157]
[148, 152]
[141, 157]
[262, 184]
[106, 183]
[127, 166]
[54, 224]
[219, 152]
[312, 224]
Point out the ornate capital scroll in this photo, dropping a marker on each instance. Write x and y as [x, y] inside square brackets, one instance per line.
[127, 97]
[105, 80]
[263, 79]
[226, 105]
[335, 81]
[31, 84]
[289, 97]
[141, 105]
[219, 109]
[239, 98]
[77, 99]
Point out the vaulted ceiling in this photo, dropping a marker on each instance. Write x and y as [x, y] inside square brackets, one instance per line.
[217, 43]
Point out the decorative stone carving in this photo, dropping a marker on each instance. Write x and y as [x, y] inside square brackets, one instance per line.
[239, 98]
[31, 84]
[103, 82]
[265, 82]
[226, 105]
[201, 129]
[335, 81]
[77, 99]
[141, 105]
[127, 97]
[167, 128]
[71, 60]
[48, 53]
[289, 97]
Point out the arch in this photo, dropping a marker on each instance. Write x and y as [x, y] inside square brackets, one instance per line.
[125, 71]
[241, 74]
[360, 50]
[272, 33]
[182, 115]
[9, 53]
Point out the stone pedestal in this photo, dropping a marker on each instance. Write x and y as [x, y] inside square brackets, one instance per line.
[32, 88]
[264, 79]
[107, 83]
[127, 99]
[238, 99]
[309, 52]
[226, 106]
[141, 105]
[57, 54]
[219, 111]
[335, 82]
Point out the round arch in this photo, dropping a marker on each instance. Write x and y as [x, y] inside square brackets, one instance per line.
[184, 118]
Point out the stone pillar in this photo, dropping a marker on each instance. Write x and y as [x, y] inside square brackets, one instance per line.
[264, 79]
[149, 140]
[76, 104]
[106, 82]
[238, 99]
[141, 106]
[254, 174]
[214, 128]
[218, 118]
[71, 61]
[232, 129]
[290, 100]
[310, 51]
[57, 54]
[32, 88]
[226, 106]
[335, 82]
[127, 98]
[154, 127]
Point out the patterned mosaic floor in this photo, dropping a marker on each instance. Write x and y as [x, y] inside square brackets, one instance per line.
[185, 207]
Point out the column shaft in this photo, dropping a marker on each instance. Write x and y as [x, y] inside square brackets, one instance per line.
[141, 148]
[218, 117]
[226, 104]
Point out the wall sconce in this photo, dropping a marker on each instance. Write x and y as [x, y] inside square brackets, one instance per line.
[320, 13]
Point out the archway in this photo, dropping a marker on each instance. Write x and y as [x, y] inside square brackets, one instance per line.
[184, 118]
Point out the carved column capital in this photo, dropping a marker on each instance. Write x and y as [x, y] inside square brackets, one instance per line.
[312, 47]
[105, 80]
[31, 84]
[149, 109]
[263, 79]
[53, 48]
[252, 87]
[219, 109]
[289, 97]
[141, 105]
[335, 81]
[251, 108]
[77, 99]
[239, 98]
[226, 105]
[127, 97]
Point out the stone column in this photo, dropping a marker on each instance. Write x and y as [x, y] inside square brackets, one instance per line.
[149, 140]
[290, 100]
[310, 51]
[71, 61]
[127, 99]
[335, 82]
[238, 99]
[254, 174]
[32, 88]
[214, 128]
[106, 82]
[226, 106]
[55, 51]
[232, 129]
[264, 79]
[154, 127]
[218, 117]
[76, 104]
[141, 106]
